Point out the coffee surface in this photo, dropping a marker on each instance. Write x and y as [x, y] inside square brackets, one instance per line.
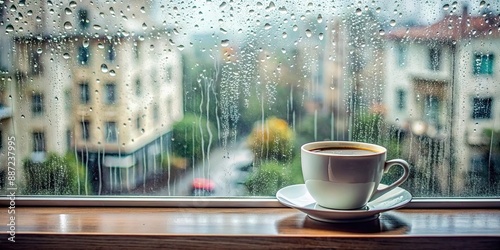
[344, 151]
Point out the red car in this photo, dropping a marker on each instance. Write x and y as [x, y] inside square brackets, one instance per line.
[202, 187]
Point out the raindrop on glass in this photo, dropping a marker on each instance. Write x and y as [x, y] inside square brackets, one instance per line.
[68, 25]
[308, 33]
[104, 68]
[359, 11]
[9, 28]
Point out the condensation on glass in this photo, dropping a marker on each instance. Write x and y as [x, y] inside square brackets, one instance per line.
[214, 98]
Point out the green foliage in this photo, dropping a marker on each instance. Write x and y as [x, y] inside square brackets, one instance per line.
[369, 128]
[271, 176]
[193, 136]
[311, 130]
[272, 140]
[57, 175]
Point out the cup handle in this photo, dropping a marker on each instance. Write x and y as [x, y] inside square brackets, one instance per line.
[387, 166]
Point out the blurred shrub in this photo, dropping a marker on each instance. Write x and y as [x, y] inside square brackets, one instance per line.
[272, 140]
[57, 175]
[193, 137]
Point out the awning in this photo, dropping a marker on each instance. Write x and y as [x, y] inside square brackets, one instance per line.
[119, 161]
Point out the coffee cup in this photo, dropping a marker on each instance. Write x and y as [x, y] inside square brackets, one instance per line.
[346, 174]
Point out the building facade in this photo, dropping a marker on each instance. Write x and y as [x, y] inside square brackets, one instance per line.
[443, 84]
[92, 81]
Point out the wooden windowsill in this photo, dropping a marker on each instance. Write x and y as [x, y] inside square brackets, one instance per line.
[240, 228]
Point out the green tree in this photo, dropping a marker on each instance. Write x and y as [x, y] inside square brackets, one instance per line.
[272, 140]
[193, 137]
[57, 175]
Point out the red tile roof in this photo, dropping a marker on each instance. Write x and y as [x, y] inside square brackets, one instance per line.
[452, 28]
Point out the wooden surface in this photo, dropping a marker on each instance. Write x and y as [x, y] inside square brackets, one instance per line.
[245, 228]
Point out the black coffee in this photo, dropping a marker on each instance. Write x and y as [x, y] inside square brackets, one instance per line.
[345, 151]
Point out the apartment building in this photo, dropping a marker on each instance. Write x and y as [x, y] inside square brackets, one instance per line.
[98, 80]
[443, 83]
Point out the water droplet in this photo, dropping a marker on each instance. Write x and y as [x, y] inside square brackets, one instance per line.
[9, 28]
[320, 18]
[180, 47]
[321, 36]
[66, 56]
[359, 11]
[68, 11]
[104, 68]
[222, 5]
[144, 26]
[68, 25]
[392, 23]
[284, 35]
[308, 33]
[381, 32]
[72, 4]
[39, 50]
[267, 26]
[112, 72]
[85, 43]
[446, 7]
[97, 27]
[224, 43]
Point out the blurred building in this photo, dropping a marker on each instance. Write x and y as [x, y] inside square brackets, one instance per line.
[443, 85]
[96, 79]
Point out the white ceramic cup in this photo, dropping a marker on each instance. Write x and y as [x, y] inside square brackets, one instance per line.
[345, 174]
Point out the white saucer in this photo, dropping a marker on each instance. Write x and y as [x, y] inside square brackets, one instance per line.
[297, 196]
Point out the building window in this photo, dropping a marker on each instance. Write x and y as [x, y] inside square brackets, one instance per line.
[111, 53]
[431, 109]
[138, 123]
[83, 19]
[401, 55]
[481, 108]
[156, 113]
[84, 93]
[483, 64]
[35, 63]
[111, 135]
[135, 50]
[83, 55]
[401, 99]
[37, 104]
[110, 90]
[435, 59]
[85, 126]
[138, 87]
[38, 142]
[169, 74]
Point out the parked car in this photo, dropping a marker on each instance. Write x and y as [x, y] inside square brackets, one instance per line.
[202, 187]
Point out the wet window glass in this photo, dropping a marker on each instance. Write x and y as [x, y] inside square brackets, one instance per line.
[215, 97]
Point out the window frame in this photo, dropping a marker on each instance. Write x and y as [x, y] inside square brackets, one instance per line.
[215, 202]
